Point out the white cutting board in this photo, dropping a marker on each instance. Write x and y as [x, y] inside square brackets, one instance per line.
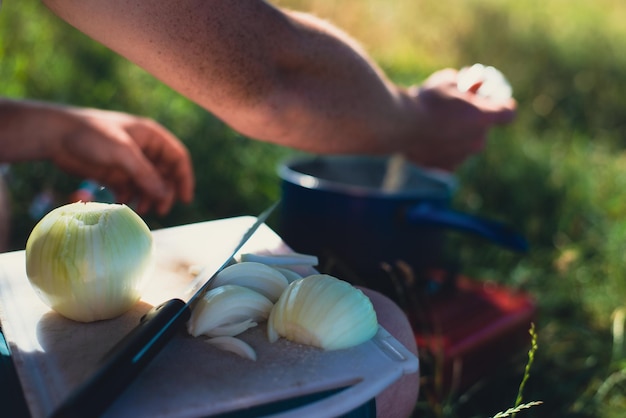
[189, 378]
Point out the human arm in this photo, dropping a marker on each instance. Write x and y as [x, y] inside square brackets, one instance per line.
[136, 157]
[288, 78]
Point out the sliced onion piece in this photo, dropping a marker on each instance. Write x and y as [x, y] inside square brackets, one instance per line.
[256, 276]
[234, 345]
[323, 311]
[292, 259]
[493, 84]
[227, 305]
[272, 335]
[290, 275]
[231, 330]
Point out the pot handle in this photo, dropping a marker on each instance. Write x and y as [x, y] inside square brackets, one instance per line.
[501, 234]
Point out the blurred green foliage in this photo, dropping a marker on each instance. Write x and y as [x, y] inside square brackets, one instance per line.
[558, 173]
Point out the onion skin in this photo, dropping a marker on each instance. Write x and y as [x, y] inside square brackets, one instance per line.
[89, 261]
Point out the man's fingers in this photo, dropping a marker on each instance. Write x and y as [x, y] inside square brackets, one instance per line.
[170, 158]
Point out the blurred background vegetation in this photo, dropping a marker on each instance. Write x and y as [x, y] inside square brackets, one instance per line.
[558, 173]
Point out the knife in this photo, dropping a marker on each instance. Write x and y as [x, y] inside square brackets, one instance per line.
[120, 366]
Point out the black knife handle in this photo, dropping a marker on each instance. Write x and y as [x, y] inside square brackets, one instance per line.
[122, 364]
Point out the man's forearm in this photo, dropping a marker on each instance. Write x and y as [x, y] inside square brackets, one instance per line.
[24, 126]
[277, 76]
[338, 100]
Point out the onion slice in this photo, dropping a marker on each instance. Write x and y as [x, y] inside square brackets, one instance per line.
[225, 306]
[259, 277]
[493, 84]
[323, 311]
[289, 274]
[231, 330]
[234, 345]
[291, 259]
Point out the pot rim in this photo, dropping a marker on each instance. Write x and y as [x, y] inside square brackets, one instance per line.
[445, 181]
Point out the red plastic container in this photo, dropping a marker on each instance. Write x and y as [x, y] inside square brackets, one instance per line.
[469, 330]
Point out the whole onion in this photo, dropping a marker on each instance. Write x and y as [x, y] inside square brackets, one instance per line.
[88, 261]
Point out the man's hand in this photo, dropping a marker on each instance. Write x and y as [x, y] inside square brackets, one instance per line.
[454, 123]
[136, 157]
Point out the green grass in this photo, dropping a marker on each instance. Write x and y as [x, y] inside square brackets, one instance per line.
[558, 173]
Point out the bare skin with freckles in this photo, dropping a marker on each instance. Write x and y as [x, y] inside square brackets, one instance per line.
[290, 78]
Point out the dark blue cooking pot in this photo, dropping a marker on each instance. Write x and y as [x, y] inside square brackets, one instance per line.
[335, 207]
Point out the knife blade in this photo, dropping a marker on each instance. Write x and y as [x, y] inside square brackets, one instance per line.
[125, 361]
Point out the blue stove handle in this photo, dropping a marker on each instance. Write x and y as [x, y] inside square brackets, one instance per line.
[501, 234]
